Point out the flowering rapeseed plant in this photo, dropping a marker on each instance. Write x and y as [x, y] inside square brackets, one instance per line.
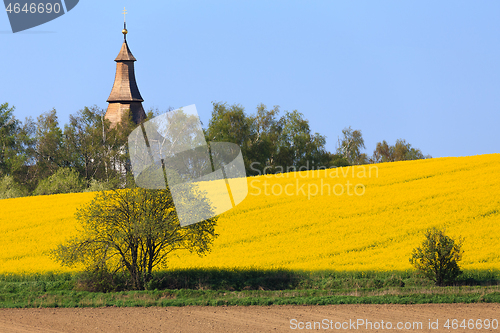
[353, 218]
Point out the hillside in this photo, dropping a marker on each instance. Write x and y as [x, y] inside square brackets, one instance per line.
[283, 223]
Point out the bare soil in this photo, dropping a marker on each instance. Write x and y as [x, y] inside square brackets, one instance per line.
[244, 319]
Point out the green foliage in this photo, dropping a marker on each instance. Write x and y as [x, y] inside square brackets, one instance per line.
[261, 145]
[10, 189]
[438, 256]
[15, 143]
[296, 145]
[229, 124]
[267, 141]
[48, 145]
[93, 148]
[270, 143]
[242, 287]
[401, 151]
[65, 180]
[337, 160]
[33, 151]
[8, 129]
[97, 186]
[99, 279]
[350, 146]
[129, 233]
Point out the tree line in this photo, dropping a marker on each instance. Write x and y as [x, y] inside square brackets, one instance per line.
[42, 157]
[272, 143]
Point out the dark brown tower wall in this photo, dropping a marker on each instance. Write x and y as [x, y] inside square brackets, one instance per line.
[116, 111]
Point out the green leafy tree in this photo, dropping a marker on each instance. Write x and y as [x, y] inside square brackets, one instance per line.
[266, 140]
[336, 160]
[401, 151]
[438, 256]
[84, 137]
[15, 143]
[297, 146]
[25, 175]
[132, 231]
[98, 151]
[383, 152]
[8, 129]
[228, 124]
[350, 146]
[263, 140]
[48, 147]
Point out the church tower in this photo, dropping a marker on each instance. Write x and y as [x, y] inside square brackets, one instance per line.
[125, 95]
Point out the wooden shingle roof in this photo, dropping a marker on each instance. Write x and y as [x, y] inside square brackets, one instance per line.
[125, 54]
[125, 88]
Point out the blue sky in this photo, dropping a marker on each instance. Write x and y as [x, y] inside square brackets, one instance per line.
[425, 71]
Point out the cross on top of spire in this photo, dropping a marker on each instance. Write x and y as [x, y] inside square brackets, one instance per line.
[124, 31]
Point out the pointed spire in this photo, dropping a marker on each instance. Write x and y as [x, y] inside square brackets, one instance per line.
[125, 94]
[125, 54]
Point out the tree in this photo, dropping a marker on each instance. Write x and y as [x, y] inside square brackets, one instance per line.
[132, 231]
[15, 143]
[401, 151]
[337, 161]
[438, 256]
[48, 146]
[350, 146]
[263, 140]
[83, 138]
[97, 151]
[8, 128]
[297, 146]
[228, 124]
[383, 152]
[25, 175]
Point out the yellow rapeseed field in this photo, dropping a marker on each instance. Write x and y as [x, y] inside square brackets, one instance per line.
[355, 218]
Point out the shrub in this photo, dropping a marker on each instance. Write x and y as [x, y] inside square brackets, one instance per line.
[10, 189]
[438, 256]
[97, 186]
[65, 180]
[99, 279]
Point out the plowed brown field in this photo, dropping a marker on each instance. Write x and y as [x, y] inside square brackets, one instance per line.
[247, 319]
